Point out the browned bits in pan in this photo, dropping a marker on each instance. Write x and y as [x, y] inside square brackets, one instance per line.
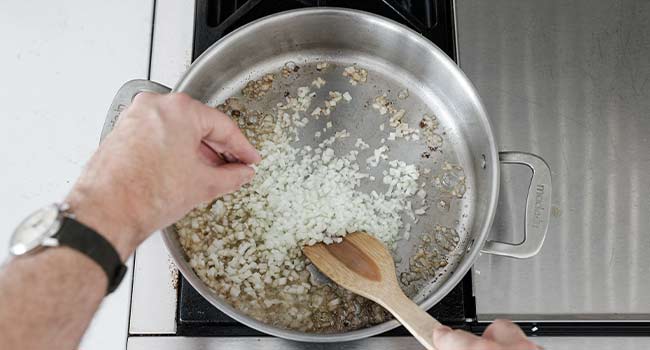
[255, 89]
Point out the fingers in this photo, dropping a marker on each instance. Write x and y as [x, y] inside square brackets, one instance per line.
[445, 338]
[501, 335]
[509, 334]
[217, 129]
[211, 155]
[223, 134]
[504, 332]
[225, 179]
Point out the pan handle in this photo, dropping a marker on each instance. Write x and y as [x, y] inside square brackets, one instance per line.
[538, 208]
[123, 99]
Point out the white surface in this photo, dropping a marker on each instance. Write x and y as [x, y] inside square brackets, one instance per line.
[172, 40]
[154, 293]
[153, 302]
[60, 64]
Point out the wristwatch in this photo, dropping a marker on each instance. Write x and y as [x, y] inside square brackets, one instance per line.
[54, 226]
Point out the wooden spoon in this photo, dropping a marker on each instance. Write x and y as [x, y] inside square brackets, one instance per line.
[361, 264]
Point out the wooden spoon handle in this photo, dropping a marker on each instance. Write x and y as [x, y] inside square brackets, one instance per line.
[416, 320]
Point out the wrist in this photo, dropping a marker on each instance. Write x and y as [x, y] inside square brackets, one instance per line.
[106, 216]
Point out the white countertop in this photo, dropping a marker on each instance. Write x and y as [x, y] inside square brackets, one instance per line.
[60, 65]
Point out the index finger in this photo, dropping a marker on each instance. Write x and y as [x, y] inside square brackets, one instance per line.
[224, 135]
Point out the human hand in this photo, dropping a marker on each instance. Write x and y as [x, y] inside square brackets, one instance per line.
[156, 165]
[500, 335]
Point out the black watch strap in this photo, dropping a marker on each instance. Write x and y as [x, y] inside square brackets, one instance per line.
[80, 237]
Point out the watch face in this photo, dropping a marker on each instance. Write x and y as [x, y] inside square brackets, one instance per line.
[34, 229]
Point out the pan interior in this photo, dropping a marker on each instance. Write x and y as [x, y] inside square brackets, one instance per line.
[363, 121]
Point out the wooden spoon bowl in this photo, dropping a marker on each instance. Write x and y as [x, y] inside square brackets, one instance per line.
[363, 265]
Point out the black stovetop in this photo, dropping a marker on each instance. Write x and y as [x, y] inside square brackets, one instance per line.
[197, 317]
[431, 18]
[214, 19]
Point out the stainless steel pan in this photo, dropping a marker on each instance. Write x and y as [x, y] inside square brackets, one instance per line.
[396, 59]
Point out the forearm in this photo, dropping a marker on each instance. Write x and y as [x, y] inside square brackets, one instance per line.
[47, 299]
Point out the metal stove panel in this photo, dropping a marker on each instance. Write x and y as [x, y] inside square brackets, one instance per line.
[569, 81]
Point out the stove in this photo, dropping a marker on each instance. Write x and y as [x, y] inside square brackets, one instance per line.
[167, 313]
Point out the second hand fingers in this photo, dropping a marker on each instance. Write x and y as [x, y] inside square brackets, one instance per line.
[504, 332]
[445, 338]
[507, 333]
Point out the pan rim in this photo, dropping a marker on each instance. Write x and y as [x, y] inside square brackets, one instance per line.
[461, 269]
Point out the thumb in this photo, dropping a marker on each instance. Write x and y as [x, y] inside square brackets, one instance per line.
[226, 178]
